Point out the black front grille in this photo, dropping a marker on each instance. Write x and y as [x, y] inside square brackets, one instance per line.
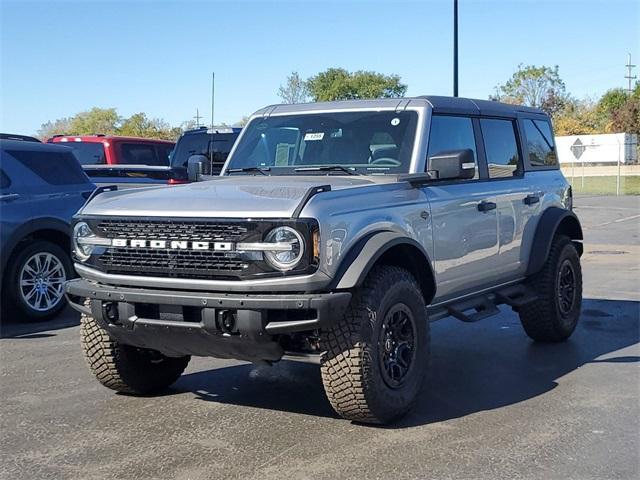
[177, 263]
[172, 230]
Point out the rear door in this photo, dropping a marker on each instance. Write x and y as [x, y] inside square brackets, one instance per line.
[516, 204]
[463, 213]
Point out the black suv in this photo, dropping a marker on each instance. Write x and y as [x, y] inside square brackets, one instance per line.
[210, 145]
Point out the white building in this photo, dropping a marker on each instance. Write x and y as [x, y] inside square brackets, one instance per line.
[603, 149]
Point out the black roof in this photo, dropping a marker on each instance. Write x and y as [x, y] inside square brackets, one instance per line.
[472, 106]
[15, 136]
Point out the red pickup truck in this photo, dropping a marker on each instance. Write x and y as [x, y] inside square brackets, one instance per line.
[114, 150]
[127, 160]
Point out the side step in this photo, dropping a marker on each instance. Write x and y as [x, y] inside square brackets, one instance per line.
[485, 305]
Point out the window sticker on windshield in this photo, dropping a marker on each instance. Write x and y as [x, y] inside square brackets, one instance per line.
[395, 121]
[309, 137]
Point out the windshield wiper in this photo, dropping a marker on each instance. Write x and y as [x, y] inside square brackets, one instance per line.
[327, 168]
[262, 170]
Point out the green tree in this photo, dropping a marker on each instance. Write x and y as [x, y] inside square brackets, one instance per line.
[340, 84]
[627, 118]
[139, 125]
[539, 87]
[96, 120]
[55, 127]
[578, 117]
[294, 90]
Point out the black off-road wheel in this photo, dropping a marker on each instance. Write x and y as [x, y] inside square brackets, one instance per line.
[127, 369]
[376, 358]
[554, 315]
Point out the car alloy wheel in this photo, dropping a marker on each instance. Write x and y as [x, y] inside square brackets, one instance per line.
[42, 280]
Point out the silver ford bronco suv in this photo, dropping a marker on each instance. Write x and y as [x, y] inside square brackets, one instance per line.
[334, 234]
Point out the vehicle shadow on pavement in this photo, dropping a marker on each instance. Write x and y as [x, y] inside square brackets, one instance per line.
[10, 327]
[474, 367]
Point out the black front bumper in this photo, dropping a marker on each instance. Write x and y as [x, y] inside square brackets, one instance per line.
[206, 324]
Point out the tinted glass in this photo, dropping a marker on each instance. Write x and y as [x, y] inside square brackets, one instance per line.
[366, 142]
[501, 147]
[55, 168]
[164, 154]
[216, 147]
[4, 180]
[452, 133]
[139, 154]
[87, 153]
[540, 143]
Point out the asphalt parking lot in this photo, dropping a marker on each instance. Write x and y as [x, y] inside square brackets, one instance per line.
[495, 405]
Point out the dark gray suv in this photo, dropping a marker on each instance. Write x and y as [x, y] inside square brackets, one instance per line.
[41, 187]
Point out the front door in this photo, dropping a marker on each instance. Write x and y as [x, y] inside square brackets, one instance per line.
[464, 216]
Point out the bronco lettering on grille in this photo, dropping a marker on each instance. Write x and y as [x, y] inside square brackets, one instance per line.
[172, 245]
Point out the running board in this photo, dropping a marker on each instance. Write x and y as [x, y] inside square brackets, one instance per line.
[485, 305]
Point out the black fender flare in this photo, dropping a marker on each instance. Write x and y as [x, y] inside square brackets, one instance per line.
[553, 221]
[359, 261]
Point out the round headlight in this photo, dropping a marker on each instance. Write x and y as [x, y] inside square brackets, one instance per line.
[81, 231]
[288, 248]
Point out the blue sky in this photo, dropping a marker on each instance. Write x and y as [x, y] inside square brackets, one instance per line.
[61, 57]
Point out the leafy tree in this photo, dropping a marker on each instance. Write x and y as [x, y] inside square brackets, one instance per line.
[340, 84]
[55, 127]
[578, 117]
[294, 90]
[96, 120]
[626, 119]
[138, 125]
[539, 87]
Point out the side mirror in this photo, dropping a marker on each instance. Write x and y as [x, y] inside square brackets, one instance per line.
[453, 164]
[198, 165]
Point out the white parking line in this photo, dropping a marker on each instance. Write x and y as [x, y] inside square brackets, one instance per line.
[624, 219]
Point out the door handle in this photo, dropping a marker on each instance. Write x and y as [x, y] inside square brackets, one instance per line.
[486, 206]
[531, 199]
[9, 197]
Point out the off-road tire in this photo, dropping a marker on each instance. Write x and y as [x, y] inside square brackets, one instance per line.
[351, 368]
[14, 306]
[124, 368]
[543, 319]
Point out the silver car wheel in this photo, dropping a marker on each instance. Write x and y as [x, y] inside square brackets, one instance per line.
[42, 281]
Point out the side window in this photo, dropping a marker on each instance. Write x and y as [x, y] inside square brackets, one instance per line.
[5, 182]
[164, 154]
[452, 133]
[542, 152]
[139, 154]
[55, 168]
[501, 148]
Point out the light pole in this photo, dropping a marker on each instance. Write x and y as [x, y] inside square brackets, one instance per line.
[455, 48]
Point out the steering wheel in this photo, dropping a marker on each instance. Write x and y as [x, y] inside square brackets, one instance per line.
[386, 161]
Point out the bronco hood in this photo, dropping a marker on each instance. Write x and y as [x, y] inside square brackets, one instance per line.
[240, 196]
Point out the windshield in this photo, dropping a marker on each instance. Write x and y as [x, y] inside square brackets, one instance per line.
[215, 146]
[87, 153]
[356, 142]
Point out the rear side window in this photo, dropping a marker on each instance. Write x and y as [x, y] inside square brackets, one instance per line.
[501, 147]
[55, 168]
[5, 182]
[452, 133]
[87, 153]
[164, 154]
[540, 146]
[139, 154]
